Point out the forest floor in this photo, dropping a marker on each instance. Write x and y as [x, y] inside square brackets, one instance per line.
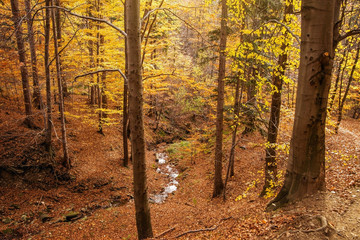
[94, 201]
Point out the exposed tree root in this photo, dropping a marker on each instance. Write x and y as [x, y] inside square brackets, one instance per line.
[324, 225]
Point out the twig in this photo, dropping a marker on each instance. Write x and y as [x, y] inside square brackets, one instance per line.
[165, 232]
[103, 70]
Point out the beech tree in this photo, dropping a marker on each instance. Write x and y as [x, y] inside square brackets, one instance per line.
[305, 172]
[143, 221]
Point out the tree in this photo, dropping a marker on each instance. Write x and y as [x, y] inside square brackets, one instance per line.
[143, 220]
[218, 183]
[22, 58]
[49, 126]
[274, 121]
[37, 101]
[66, 160]
[305, 172]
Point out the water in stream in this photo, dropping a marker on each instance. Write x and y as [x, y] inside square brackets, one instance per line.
[172, 173]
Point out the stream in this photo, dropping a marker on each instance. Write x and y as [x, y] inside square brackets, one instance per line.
[171, 172]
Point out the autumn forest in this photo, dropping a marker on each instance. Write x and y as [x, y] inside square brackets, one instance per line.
[192, 119]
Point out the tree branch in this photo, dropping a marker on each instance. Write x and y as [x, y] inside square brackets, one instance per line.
[103, 70]
[348, 34]
[287, 29]
[62, 49]
[86, 17]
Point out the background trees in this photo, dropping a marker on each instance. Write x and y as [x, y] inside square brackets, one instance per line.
[201, 74]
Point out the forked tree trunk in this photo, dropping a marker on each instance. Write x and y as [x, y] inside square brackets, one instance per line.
[143, 220]
[305, 172]
[49, 126]
[66, 160]
[274, 122]
[218, 182]
[22, 59]
[37, 101]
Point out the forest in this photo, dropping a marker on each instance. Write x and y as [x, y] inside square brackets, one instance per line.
[169, 119]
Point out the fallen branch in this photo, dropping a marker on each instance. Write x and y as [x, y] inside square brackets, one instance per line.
[204, 229]
[165, 232]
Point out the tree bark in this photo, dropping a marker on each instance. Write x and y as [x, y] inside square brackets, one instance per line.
[48, 136]
[143, 220]
[37, 101]
[22, 59]
[218, 182]
[305, 172]
[66, 160]
[125, 101]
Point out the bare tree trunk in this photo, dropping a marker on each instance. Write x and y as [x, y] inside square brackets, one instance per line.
[48, 80]
[22, 59]
[59, 36]
[125, 101]
[218, 182]
[230, 169]
[143, 220]
[66, 160]
[274, 122]
[340, 72]
[341, 106]
[305, 172]
[37, 101]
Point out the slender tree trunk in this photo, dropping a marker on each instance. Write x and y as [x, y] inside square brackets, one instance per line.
[143, 220]
[305, 172]
[341, 106]
[125, 101]
[22, 59]
[340, 72]
[48, 80]
[230, 168]
[59, 36]
[218, 182]
[37, 101]
[66, 160]
[274, 122]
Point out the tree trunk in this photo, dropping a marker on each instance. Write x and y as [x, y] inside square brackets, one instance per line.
[22, 59]
[59, 37]
[341, 106]
[218, 182]
[37, 101]
[274, 121]
[66, 160]
[48, 80]
[340, 75]
[305, 172]
[125, 101]
[143, 220]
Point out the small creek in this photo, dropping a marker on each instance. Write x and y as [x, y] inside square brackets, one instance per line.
[171, 172]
